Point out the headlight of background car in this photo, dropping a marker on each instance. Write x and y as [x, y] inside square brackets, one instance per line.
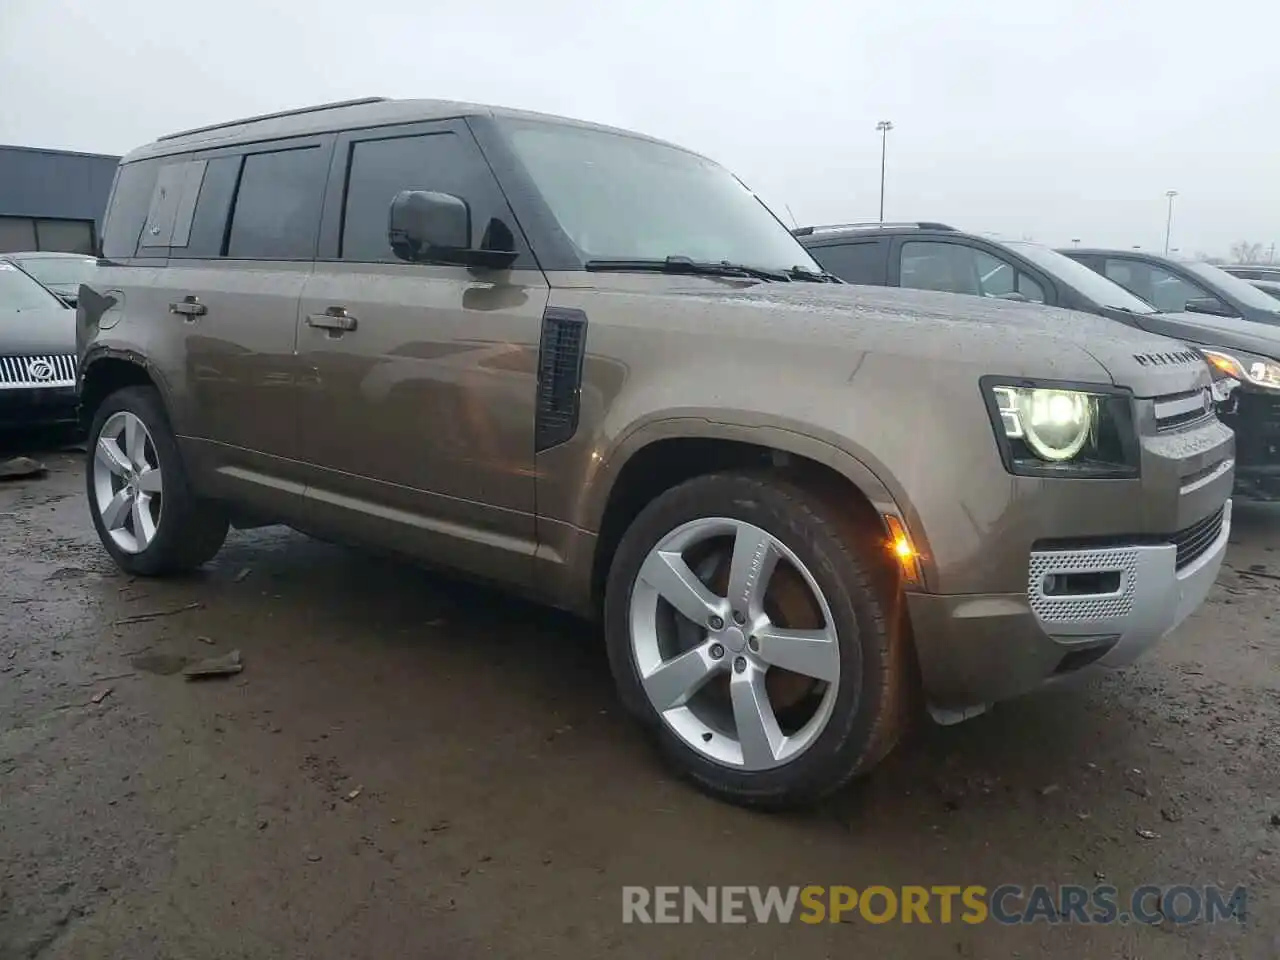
[1047, 429]
[1244, 367]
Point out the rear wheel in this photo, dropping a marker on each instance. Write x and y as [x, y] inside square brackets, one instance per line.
[144, 511]
[748, 633]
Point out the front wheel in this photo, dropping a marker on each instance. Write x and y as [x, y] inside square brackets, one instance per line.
[747, 632]
[144, 511]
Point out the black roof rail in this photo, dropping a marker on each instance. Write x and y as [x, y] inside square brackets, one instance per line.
[272, 116]
[869, 225]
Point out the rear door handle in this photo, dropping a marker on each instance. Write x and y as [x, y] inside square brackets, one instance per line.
[335, 318]
[189, 307]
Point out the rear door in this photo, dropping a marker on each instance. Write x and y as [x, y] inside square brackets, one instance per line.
[419, 379]
[241, 245]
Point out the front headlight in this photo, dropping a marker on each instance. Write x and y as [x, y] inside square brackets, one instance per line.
[1052, 429]
[1244, 367]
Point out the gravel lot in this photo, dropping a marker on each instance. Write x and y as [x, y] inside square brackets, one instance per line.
[502, 800]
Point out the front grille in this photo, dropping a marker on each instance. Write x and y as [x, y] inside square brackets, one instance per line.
[1193, 541]
[1181, 410]
[48, 370]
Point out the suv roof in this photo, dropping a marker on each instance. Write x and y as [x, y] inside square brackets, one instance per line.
[348, 115]
[869, 227]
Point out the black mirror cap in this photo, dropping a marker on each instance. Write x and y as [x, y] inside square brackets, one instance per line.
[427, 226]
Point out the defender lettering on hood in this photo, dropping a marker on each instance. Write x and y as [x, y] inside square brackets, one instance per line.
[1165, 359]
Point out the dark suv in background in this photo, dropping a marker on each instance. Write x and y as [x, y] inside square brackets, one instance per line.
[934, 256]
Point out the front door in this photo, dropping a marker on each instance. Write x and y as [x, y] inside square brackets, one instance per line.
[419, 380]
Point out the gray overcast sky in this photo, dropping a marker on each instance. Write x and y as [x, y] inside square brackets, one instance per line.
[1049, 119]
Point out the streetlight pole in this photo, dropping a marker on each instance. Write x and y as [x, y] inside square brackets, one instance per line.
[1168, 222]
[884, 126]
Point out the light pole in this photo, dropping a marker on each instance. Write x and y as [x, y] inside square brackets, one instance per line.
[1168, 222]
[884, 126]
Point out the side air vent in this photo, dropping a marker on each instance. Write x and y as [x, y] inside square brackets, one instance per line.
[560, 356]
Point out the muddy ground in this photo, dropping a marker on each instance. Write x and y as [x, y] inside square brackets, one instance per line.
[503, 802]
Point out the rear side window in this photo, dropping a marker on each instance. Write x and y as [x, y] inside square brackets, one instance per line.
[862, 262]
[207, 226]
[127, 211]
[276, 215]
[379, 169]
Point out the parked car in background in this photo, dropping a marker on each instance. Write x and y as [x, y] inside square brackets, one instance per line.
[37, 353]
[1228, 319]
[592, 367]
[1253, 271]
[1270, 287]
[938, 257]
[1174, 285]
[60, 272]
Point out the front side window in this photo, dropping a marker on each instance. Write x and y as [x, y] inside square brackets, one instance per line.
[442, 162]
[621, 197]
[277, 207]
[956, 268]
[1164, 290]
[19, 292]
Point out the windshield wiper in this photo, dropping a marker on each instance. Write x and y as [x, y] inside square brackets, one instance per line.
[810, 276]
[687, 265]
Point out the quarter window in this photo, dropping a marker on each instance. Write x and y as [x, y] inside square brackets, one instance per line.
[862, 262]
[130, 203]
[276, 215]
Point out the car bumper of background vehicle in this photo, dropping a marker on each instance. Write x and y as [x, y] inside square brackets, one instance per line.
[980, 649]
[37, 406]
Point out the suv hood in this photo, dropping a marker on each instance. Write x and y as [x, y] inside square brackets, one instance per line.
[1262, 339]
[1010, 338]
[46, 330]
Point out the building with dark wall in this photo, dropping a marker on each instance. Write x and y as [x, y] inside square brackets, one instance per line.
[53, 199]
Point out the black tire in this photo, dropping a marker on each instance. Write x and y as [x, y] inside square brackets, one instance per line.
[871, 706]
[190, 531]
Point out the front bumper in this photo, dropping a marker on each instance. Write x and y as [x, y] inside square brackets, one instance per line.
[37, 407]
[1254, 416]
[978, 649]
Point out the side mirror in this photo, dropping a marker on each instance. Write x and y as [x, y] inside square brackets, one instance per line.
[1210, 305]
[426, 226]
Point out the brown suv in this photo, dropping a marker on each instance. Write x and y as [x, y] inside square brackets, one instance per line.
[593, 368]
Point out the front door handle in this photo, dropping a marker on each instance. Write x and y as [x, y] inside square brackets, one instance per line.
[335, 318]
[189, 306]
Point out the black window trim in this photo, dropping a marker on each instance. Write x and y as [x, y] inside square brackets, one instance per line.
[333, 216]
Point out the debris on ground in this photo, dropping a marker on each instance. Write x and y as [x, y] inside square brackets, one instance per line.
[102, 694]
[1148, 834]
[1275, 819]
[223, 666]
[241, 575]
[1050, 789]
[1170, 815]
[155, 614]
[352, 794]
[208, 640]
[19, 468]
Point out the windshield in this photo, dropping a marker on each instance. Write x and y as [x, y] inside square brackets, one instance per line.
[20, 292]
[59, 270]
[1085, 281]
[1241, 290]
[623, 198]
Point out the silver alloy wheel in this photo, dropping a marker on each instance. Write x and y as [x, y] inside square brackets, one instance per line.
[127, 483]
[732, 639]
